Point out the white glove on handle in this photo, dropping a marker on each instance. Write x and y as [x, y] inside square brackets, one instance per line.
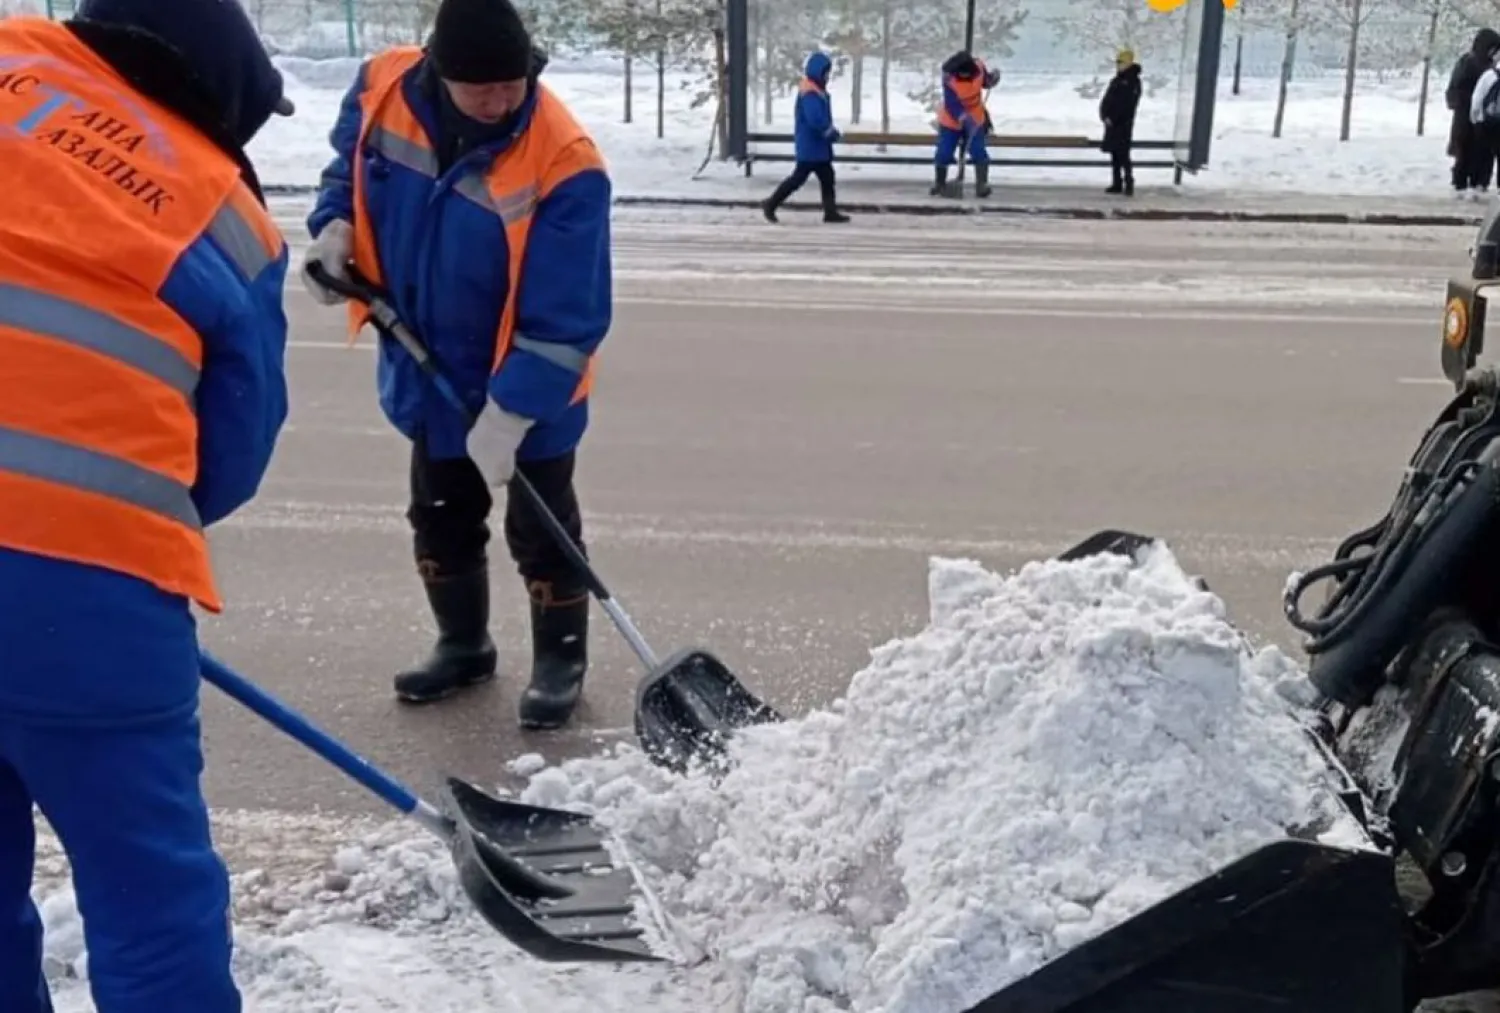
[332, 249]
[493, 442]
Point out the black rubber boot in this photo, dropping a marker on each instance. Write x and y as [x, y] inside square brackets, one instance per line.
[769, 206]
[464, 655]
[1129, 187]
[940, 181]
[981, 179]
[559, 646]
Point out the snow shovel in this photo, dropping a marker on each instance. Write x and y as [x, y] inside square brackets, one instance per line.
[687, 705]
[543, 878]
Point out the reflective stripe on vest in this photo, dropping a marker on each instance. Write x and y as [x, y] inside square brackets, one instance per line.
[98, 426]
[553, 148]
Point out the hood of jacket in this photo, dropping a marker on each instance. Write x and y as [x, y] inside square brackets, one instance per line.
[218, 48]
[819, 66]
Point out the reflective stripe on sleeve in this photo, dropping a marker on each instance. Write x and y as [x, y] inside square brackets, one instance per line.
[564, 356]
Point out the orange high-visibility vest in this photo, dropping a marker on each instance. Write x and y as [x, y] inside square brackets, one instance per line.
[104, 191]
[552, 149]
[970, 93]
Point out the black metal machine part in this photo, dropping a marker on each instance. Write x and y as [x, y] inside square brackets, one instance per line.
[1388, 577]
[1405, 652]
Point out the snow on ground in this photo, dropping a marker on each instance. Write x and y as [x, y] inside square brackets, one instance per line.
[1055, 751]
[1384, 156]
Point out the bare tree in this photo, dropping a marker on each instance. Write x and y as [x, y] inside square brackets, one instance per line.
[1348, 17]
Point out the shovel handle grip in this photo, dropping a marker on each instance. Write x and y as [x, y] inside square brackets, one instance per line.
[352, 286]
[245, 692]
[359, 289]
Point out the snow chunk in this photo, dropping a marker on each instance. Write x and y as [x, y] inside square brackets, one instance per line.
[1055, 752]
[526, 764]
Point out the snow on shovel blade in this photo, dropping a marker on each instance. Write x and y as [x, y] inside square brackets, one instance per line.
[688, 707]
[545, 879]
[1295, 927]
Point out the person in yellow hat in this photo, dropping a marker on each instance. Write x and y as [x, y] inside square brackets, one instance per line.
[1117, 112]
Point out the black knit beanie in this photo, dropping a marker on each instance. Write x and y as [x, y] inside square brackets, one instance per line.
[480, 42]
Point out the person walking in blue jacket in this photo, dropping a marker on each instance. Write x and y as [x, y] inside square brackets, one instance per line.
[814, 138]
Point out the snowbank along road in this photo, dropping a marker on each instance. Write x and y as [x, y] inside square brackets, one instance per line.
[788, 421]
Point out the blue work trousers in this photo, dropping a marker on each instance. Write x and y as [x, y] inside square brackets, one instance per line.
[127, 805]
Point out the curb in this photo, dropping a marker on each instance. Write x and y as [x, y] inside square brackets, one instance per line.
[1387, 218]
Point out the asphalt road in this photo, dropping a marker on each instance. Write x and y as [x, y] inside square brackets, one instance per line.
[790, 420]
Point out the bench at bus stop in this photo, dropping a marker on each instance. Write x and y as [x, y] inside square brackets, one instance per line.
[870, 148]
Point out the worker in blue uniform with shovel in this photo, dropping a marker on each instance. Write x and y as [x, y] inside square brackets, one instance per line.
[142, 332]
[465, 189]
[964, 120]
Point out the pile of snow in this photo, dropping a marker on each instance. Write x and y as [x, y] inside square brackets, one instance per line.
[1056, 751]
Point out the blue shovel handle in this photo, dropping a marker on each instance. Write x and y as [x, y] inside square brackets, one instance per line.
[393, 792]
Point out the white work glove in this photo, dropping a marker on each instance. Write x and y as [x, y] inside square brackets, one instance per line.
[493, 442]
[332, 249]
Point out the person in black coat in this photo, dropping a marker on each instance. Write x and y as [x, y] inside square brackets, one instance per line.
[1117, 112]
[1470, 153]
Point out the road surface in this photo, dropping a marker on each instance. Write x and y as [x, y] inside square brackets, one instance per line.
[789, 420]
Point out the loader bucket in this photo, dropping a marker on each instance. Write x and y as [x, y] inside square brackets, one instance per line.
[1295, 927]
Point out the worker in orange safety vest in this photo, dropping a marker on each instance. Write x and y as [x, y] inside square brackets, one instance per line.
[963, 118]
[466, 190]
[142, 391]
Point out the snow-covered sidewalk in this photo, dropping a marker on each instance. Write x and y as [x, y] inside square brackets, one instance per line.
[872, 193]
[1055, 751]
[1384, 169]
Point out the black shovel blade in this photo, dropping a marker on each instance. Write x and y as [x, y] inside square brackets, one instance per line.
[1294, 927]
[686, 709]
[545, 880]
[1120, 543]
